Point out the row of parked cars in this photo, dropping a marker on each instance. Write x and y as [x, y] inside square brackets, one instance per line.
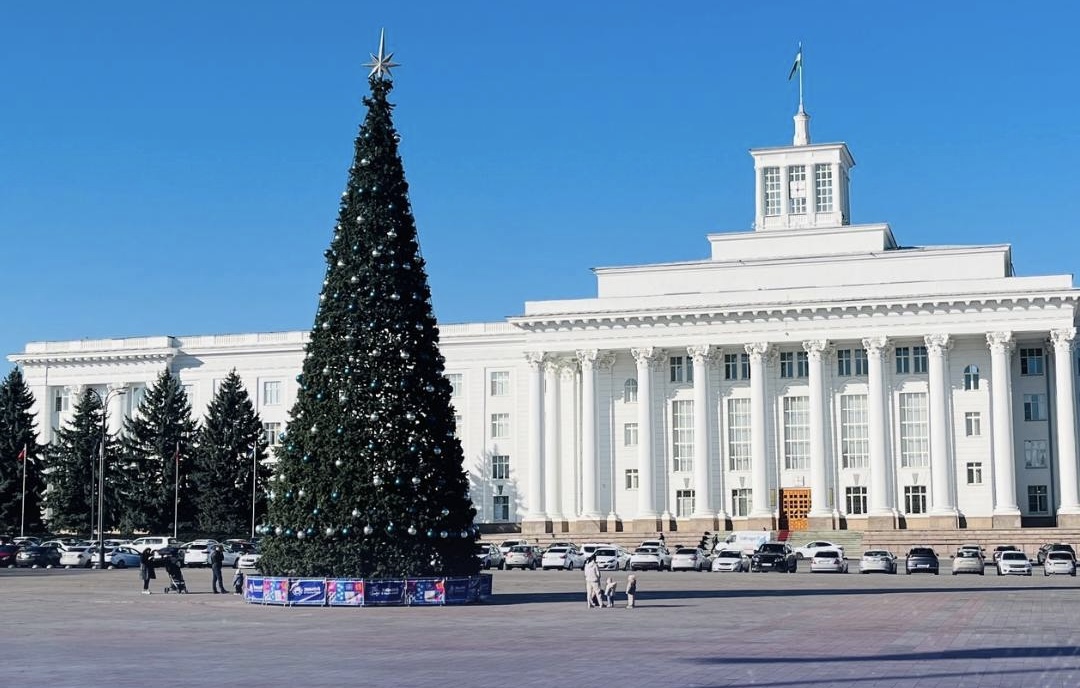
[122, 553]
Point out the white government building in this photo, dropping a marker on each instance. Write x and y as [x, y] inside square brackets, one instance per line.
[809, 373]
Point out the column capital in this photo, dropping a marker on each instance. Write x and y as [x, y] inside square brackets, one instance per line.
[75, 391]
[758, 350]
[1062, 339]
[937, 344]
[1000, 342]
[587, 358]
[817, 347]
[647, 355]
[551, 365]
[568, 368]
[535, 359]
[875, 346]
[703, 353]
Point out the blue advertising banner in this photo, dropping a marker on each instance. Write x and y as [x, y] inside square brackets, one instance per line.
[384, 592]
[485, 586]
[275, 590]
[423, 591]
[457, 591]
[253, 589]
[345, 592]
[310, 592]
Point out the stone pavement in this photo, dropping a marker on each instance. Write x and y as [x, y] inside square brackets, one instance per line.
[68, 628]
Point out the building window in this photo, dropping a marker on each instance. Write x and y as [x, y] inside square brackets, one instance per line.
[862, 367]
[914, 430]
[744, 366]
[684, 503]
[629, 433]
[919, 360]
[271, 392]
[797, 189]
[500, 383]
[972, 424]
[914, 499]
[843, 362]
[1034, 407]
[731, 366]
[631, 479]
[854, 431]
[60, 401]
[903, 360]
[189, 393]
[794, 364]
[974, 473]
[682, 435]
[500, 467]
[457, 426]
[796, 433]
[272, 434]
[802, 364]
[135, 397]
[500, 426]
[855, 499]
[740, 501]
[823, 188]
[500, 508]
[971, 377]
[1035, 453]
[739, 434]
[456, 387]
[1031, 361]
[681, 369]
[1037, 499]
[629, 391]
[770, 181]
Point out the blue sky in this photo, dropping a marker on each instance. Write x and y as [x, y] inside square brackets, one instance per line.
[175, 169]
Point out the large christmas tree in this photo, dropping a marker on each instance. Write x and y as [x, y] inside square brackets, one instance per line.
[370, 480]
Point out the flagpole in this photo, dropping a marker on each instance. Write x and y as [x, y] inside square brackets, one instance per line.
[800, 76]
[254, 478]
[22, 514]
[176, 495]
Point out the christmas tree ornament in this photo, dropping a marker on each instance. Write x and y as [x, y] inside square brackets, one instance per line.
[368, 530]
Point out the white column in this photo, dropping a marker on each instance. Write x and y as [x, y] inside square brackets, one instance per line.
[646, 477]
[535, 495]
[587, 358]
[551, 440]
[116, 409]
[941, 471]
[759, 477]
[880, 502]
[702, 464]
[819, 490]
[1066, 418]
[1001, 347]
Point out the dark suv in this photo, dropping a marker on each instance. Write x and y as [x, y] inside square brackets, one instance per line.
[921, 560]
[773, 556]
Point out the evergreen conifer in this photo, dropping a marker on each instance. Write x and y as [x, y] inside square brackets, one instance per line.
[18, 431]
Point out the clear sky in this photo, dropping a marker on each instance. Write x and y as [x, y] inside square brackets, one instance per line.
[175, 168]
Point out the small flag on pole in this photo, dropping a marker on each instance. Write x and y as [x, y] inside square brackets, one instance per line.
[797, 65]
[22, 454]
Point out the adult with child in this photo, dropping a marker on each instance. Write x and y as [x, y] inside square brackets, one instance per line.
[592, 582]
[146, 569]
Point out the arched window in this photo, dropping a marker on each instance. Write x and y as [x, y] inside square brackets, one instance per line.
[630, 391]
[971, 377]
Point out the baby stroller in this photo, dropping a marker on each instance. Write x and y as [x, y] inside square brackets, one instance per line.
[176, 576]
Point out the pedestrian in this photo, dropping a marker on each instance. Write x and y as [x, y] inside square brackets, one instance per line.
[661, 539]
[592, 582]
[631, 590]
[238, 582]
[715, 540]
[217, 558]
[609, 593]
[146, 569]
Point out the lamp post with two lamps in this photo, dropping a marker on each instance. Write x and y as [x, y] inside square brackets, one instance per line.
[116, 392]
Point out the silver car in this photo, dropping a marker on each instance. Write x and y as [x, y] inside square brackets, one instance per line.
[828, 561]
[1059, 561]
[968, 561]
[879, 560]
[1013, 564]
[730, 560]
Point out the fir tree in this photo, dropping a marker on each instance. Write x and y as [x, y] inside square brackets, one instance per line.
[18, 431]
[370, 480]
[221, 477]
[157, 441]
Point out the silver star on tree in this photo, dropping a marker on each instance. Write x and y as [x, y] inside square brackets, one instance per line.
[382, 63]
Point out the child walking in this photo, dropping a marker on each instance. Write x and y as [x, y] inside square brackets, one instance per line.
[609, 593]
[631, 590]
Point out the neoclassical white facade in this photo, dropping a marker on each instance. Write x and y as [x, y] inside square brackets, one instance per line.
[811, 372]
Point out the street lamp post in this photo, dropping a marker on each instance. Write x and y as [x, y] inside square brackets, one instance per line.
[118, 392]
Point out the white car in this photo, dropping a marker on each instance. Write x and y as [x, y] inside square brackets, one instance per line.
[562, 557]
[508, 544]
[590, 547]
[828, 561]
[881, 560]
[153, 542]
[1013, 564]
[248, 561]
[689, 559]
[75, 556]
[650, 558]
[1057, 561]
[197, 552]
[810, 549]
[729, 560]
[612, 558]
[489, 555]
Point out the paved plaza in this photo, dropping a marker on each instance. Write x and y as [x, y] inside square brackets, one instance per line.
[68, 628]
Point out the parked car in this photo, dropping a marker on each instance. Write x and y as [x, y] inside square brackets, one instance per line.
[250, 559]
[27, 541]
[1001, 549]
[650, 558]
[7, 554]
[880, 560]
[490, 556]
[1054, 547]
[729, 560]
[690, 559]
[123, 557]
[774, 556]
[968, 561]
[76, 556]
[154, 542]
[810, 549]
[37, 557]
[522, 557]
[197, 552]
[562, 557]
[507, 545]
[922, 560]
[828, 561]
[612, 558]
[1059, 561]
[1012, 563]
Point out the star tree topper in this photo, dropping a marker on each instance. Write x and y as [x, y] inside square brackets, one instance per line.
[382, 63]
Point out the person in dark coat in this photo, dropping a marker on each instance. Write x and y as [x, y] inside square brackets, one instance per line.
[146, 569]
[217, 558]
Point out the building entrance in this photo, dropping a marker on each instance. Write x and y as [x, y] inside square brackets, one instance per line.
[794, 506]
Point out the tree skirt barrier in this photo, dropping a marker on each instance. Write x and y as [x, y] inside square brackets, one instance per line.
[359, 592]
